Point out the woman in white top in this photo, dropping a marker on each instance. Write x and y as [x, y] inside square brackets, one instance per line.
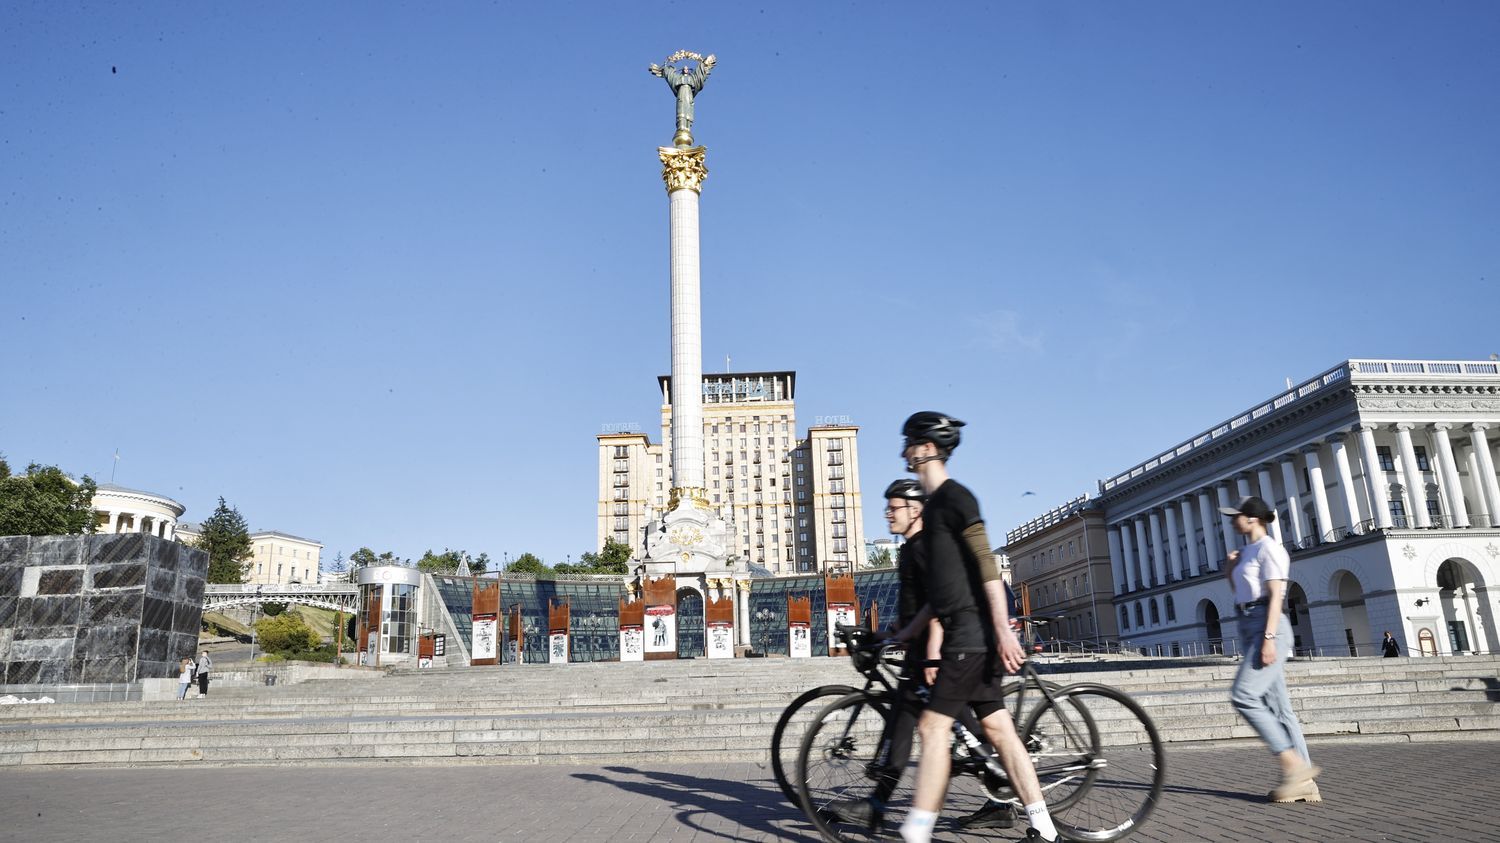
[184, 678]
[1258, 574]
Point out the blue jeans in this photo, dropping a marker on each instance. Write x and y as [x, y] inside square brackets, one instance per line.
[182, 690]
[1259, 691]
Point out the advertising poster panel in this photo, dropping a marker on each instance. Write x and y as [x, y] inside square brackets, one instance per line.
[799, 640]
[486, 636]
[720, 641]
[661, 629]
[557, 648]
[839, 613]
[632, 643]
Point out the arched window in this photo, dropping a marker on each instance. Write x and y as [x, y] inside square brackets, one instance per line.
[1155, 613]
[1140, 618]
[1171, 610]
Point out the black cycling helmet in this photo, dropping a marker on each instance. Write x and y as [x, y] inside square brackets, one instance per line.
[909, 490]
[928, 426]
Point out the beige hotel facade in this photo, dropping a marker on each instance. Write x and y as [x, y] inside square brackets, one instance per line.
[793, 502]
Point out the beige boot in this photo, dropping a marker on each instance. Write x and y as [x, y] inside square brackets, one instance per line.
[1305, 791]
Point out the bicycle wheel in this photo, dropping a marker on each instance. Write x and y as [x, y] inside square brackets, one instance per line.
[965, 762]
[786, 738]
[1099, 759]
[835, 764]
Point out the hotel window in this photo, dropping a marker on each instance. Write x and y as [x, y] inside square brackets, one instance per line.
[1422, 464]
[1383, 456]
[1434, 510]
[836, 445]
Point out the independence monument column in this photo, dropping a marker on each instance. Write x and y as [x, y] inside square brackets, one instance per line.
[690, 541]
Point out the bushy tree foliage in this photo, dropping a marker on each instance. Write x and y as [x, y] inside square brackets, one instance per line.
[528, 563]
[613, 559]
[285, 633]
[45, 502]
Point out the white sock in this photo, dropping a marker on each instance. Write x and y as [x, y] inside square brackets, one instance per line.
[1037, 816]
[918, 826]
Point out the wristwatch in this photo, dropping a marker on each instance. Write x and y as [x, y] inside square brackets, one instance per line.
[1270, 636]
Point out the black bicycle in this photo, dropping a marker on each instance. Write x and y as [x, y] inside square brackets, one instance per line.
[1098, 756]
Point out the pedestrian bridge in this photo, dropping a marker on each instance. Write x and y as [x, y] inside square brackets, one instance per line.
[341, 597]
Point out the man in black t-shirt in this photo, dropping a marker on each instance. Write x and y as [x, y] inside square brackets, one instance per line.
[964, 591]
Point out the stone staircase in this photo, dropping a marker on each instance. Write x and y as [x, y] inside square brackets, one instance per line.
[682, 711]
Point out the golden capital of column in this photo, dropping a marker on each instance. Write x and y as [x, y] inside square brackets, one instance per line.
[683, 169]
[698, 496]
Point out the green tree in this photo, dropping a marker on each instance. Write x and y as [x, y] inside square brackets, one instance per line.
[880, 557]
[528, 563]
[227, 539]
[271, 610]
[447, 562]
[613, 559]
[44, 502]
[285, 633]
[479, 564]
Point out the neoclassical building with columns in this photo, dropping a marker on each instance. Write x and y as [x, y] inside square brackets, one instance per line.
[122, 510]
[1382, 473]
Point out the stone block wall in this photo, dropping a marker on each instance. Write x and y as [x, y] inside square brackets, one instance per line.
[94, 609]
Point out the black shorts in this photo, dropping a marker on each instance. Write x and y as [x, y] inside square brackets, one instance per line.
[968, 679]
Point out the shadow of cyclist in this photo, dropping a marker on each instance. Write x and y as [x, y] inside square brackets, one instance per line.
[719, 807]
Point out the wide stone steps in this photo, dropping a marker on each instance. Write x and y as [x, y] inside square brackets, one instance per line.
[612, 713]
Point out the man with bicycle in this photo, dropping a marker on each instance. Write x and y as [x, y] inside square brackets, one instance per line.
[965, 593]
[904, 500]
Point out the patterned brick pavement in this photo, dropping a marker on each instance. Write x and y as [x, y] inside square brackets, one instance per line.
[1414, 793]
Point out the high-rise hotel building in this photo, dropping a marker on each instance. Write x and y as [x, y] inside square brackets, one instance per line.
[794, 502]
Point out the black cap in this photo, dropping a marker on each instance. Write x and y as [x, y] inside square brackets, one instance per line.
[1252, 507]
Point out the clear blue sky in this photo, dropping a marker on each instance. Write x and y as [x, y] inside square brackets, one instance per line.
[377, 273]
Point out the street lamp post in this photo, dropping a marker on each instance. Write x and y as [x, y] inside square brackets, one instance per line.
[764, 615]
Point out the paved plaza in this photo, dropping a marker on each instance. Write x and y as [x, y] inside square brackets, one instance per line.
[1413, 793]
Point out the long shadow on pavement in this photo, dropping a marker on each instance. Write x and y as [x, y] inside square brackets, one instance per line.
[757, 808]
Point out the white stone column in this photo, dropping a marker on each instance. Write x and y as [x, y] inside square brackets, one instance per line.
[140, 523]
[1486, 470]
[1480, 516]
[1242, 484]
[1127, 554]
[687, 343]
[1452, 486]
[1140, 550]
[1375, 477]
[1293, 499]
[1346, 480]
[1169, 512]
[1189, 531]
[1226, 529]
[1208, 516]
[742, 611]
[1117, 559]
[1319, 491]
[1158, 550]
[1416, 487]
[1268, 494]
[114, 523]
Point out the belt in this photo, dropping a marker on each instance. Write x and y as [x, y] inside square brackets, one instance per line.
[1253, 604]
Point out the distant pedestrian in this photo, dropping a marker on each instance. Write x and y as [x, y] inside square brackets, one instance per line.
[185, 678]
[1258, 574]
[204, 663]
[1389, 647]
